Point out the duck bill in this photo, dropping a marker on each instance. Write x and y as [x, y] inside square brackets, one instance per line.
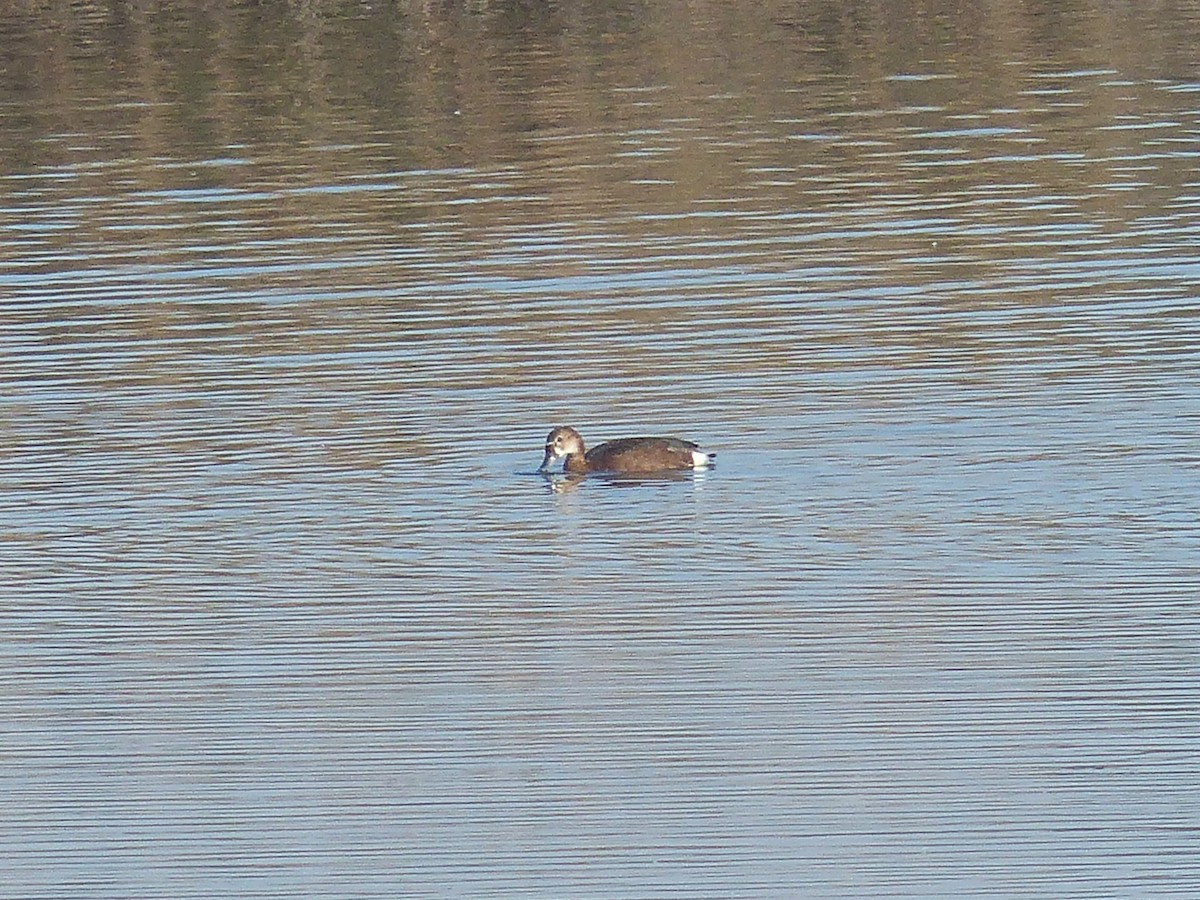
[547, 460]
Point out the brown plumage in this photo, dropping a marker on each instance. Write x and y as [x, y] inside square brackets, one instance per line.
[637, 454]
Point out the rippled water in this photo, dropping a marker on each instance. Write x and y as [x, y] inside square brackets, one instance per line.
[291, 300]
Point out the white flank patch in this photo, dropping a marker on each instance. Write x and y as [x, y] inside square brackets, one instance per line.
[700, 460]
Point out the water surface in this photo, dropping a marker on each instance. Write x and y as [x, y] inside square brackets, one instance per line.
[291, 298]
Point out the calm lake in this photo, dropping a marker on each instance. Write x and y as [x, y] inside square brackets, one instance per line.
[291, 294]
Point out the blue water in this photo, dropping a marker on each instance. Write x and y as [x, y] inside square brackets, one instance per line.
[286, 611]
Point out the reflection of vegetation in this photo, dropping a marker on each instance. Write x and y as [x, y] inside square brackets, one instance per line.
[599, 164]
[790, 107]
[231, 72]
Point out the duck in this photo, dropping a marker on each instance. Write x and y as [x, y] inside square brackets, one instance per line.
[638, 455]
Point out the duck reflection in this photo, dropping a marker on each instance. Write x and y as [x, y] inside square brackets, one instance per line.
[565, 482]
